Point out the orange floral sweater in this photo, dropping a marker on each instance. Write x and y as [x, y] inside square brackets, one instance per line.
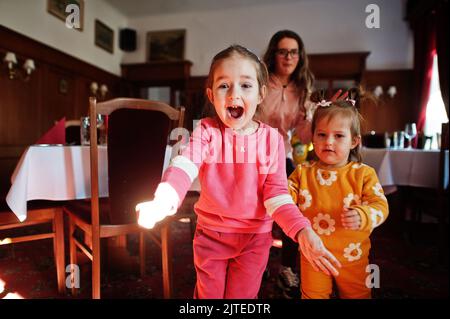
[321, 194]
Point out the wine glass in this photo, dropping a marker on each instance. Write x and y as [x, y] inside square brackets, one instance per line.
[101, 129]
[410, 133]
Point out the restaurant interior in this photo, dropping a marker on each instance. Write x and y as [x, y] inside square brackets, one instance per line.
[59, 64]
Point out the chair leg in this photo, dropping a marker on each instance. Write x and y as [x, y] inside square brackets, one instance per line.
[142, 253]
[73, 253]
[58, 244]
[166, 253]
[96, 262]
[442, 233]
[192, 225]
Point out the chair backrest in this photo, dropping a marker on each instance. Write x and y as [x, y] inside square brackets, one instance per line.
[443, 166]
[73, 132]
[137, 136]
[375, 140]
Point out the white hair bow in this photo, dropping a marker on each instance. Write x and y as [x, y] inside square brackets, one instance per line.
[351, 101]
[324, 103]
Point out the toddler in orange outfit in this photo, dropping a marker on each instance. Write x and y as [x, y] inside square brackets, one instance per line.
[342, 198]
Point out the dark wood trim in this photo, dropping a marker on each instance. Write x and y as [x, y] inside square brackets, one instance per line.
[158, 73]
[338, 66]
[389, 114]
[25, 47]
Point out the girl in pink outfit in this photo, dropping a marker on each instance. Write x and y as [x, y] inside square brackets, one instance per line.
[240, 164]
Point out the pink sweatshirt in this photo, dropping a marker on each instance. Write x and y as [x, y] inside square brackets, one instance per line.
[285, 108]
[242, 177]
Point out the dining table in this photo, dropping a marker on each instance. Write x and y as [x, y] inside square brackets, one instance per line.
[406, 167]
[60, 173]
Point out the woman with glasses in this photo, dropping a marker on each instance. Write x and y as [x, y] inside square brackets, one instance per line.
[287, 107]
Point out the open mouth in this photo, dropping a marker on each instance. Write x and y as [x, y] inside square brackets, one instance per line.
[235, 111]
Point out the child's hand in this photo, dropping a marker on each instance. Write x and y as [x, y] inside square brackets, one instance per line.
[165, 204]
[351, 219]
[149, 213]
[313, 249]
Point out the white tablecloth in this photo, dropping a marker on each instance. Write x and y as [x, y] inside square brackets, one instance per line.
[59, 173]
[63, 172]
[403, 167]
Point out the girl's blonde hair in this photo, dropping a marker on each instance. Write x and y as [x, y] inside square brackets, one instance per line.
[346, 108]
[262, 75]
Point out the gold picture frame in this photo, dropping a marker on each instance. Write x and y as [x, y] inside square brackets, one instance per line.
[104, 36]
[166, 45]
[58, 9]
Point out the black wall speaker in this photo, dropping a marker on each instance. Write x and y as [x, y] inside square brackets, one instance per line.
[127, 40]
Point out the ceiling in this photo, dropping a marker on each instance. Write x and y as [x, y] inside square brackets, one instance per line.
[136, 8]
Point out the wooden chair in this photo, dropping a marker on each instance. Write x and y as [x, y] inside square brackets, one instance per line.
[138, 132]
[434, 202]
[184, 212]
[39, 213]
[443, 192]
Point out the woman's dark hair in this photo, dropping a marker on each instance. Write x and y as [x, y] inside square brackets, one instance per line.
[302, 75]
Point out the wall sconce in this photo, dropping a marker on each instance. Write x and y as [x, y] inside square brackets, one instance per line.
[103, 90]
[95, 89]
[391, 91]
[378, 91]
[13, 72]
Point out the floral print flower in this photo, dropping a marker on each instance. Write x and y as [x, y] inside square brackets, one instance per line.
[304, 199]
[324, 224]
[353, 251]
[351, 199]
[378, 190]
[326, 177]
[376, 216]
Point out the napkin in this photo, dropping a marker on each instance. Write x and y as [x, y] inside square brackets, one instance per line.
[55, 135]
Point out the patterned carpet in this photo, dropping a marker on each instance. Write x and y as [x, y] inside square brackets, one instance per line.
[408, 269]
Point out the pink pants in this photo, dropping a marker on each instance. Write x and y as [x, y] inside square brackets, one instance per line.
[229, 265]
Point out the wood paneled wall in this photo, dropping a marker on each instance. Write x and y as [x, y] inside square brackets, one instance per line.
[389, 114]
[59, 87]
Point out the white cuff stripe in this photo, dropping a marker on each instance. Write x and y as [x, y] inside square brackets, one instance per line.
[273, 203]
[167, 193]
[186, 165]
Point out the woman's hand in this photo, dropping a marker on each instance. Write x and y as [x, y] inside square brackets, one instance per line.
[312, 248]
[351, 219]
[338, 97]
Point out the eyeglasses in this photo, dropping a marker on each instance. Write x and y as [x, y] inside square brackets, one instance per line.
[286, 52]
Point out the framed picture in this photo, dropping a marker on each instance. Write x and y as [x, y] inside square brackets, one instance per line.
[104, 36]
[58, 9]
[167, 45]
